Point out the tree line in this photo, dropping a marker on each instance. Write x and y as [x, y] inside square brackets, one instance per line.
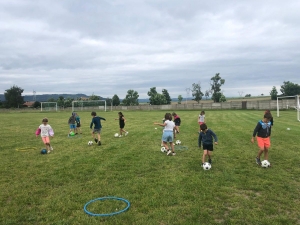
[14, 99]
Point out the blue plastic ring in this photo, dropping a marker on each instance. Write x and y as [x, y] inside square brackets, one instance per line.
[106, 214]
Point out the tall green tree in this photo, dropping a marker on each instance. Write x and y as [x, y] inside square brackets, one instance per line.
[94, 97]
[196, 92]
[159, 99]
[273, 93]
[167, 96]
[152, 94]
[115, 100]
[223, 98]
[180, 99]
[131, 98]
[216, 83]
[13, 97]
[289, 89]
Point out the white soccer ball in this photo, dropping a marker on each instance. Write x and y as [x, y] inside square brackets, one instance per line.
[178, 142]
[90, 143]
[206, 166]
[116, 135]
[265, 164]
[163, 149]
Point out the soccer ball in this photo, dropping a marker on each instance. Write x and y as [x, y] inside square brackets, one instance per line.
[90, 143]
[178, 142]
[265, 164]
[163, 149]
[44, 151]
[116, 135]
[206, 166]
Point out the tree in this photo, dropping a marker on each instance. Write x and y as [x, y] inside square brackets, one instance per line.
[159, 99]
[36, 104]
[289, 89]
[13, 97]
[61, 101]
[223, 98]
[115, 100]
[216, 84]
[273, 93]
[131, 98]
[180, 99]
[167, 96]
[196, 92]
[248, 95]
[94, 97]
[152, 94]
[51, 100]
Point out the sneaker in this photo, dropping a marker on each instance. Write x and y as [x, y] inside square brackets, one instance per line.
[96, 140]
[51, 148]
[258, 161]
[99, 143]
[209, 161]
[126, 133]
[120, 135]
[173, 153]
[48, 152]
[169, 152]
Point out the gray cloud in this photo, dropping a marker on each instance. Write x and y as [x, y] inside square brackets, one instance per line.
[109, 47]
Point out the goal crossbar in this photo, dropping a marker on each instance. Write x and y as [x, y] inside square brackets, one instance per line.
[89, 103]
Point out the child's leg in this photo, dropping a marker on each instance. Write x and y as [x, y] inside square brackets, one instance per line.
[165, 145]
[204, 156]
[172, 146]
[266, 153]
[209, 153]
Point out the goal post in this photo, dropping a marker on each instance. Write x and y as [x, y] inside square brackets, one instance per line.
[291, 102]
[48, 106]
[88, 105]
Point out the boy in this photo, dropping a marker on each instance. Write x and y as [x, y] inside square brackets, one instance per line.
[263, 132]
[206, 136]
[72, 122]
[97, 126]
[45, 130]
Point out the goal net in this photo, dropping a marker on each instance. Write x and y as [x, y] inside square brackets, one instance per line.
[48, 106]
[287, 102]
[89, 105]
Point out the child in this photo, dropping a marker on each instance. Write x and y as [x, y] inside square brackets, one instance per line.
[167, 136]
[122, 122]
[71, 122]
[201, 119]
[78, 123]
[206, 136]
[46, 131]
[97, 127]
[263, 132]
[177, 122]
[271, 120]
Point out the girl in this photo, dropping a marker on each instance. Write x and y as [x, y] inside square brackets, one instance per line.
[201, 119]
[167, 136]
[45, 130]
[177, 122]
[122, 122]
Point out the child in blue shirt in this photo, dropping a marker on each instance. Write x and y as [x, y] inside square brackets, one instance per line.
[97, 127]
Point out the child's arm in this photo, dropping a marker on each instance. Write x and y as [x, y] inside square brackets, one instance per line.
[215, 137]
[199, 140]
[160, 124]
[255, 131]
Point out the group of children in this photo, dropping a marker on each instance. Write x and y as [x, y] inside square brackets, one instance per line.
[206, 138]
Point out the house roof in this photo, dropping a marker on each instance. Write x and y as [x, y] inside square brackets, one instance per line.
[28, 104]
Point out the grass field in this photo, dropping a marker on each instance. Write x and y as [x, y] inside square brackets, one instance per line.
[53, 188]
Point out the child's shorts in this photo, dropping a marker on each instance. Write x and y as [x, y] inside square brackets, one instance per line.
[72, 126]
[208, 147]
[46, 139]
[263, 142]
[97, 131]
[167, 136]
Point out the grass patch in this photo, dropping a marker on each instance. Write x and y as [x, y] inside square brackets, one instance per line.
[53, 188]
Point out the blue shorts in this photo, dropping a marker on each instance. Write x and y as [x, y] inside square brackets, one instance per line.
[97, 131]
[72, 126]
[167, 136]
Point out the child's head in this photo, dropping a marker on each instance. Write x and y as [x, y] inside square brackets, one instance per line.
[267, 111]
[120, 114]
[174, 114]
[73, 113]
[168, 116]
[93, 113]
[202, 113]
[267, 117]
[203, 127]
[45, 121]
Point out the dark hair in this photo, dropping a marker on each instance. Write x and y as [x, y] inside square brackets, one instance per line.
[268, 116]
[202, 112]
[168, 116]
[203, 126]
[174, 114]
[45, 120]
[120, 114]
[93, 113]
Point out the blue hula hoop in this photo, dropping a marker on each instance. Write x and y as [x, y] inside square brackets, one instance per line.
[106, 214]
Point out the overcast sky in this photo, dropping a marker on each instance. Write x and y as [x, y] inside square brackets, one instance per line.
[107, 47]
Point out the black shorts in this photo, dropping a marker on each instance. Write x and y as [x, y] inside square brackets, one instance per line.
[122, 126]
[177, 124]
[78, 125]
[208, 147]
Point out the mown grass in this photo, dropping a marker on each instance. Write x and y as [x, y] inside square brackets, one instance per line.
[53, 188]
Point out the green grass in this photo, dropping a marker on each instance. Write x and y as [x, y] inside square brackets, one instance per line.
[53, 188]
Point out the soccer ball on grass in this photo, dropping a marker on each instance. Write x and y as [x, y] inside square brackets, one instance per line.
[163, 149]
[178, 142]
[90, 143]
[265, 164]
[206, 166]
[116, 135]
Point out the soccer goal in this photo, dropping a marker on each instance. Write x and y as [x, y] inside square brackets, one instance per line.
[289, 102]
[89, 105]
[48, 106]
